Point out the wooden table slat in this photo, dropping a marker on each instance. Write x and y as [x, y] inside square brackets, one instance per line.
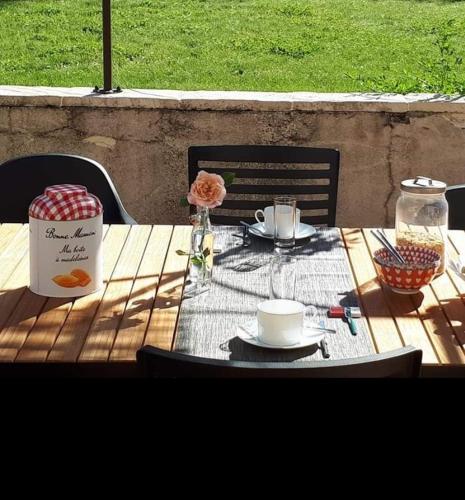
[457, 240]
[7, 234]
[73, 334]
[103, 330]
[19, 307]
[163, 321]
[439, 330]
[131, 333]
[453, 307]
[13, 254]
[19, 324]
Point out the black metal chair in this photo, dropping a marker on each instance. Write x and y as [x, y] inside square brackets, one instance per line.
[24, 178]
[455, 196]
[324, 179]
[400, 363]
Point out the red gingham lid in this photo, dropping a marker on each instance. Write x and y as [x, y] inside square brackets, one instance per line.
[65, 202]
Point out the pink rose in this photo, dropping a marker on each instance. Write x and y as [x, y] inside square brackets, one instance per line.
[207, 190]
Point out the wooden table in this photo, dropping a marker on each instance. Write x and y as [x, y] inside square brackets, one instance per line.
[144, 280]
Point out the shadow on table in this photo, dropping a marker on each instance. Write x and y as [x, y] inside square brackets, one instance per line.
[166, 298]
[379, 295]
[348, 299]
[244, 259]
[20, 304]
[241, 351]
[447, 318]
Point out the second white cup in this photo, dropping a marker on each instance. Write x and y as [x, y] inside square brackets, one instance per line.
[268, 219]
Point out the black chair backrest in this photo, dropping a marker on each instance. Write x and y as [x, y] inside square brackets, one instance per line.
[304, 182]
[455, 196]
[400, 363]
[24, 178]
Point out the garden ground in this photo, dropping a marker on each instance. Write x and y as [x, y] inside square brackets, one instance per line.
[269, 45]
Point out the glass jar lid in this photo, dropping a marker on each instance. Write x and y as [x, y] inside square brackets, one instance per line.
[423, 185]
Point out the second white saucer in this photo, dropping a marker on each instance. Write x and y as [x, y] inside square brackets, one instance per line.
[303, 231]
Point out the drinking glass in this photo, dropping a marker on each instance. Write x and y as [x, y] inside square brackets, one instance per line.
[284, 221]
[283, 272]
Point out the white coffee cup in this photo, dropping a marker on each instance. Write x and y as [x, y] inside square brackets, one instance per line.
[281, 321]
[268, 219]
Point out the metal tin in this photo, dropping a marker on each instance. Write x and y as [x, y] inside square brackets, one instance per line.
[66, 255]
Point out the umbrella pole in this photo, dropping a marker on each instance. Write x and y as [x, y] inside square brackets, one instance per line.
[107, 63]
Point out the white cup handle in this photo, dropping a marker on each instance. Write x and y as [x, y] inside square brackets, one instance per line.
[313, 312]
[257, 213]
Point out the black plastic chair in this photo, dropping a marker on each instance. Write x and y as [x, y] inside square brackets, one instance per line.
[455, 196]
[24, 178]
[400, 363]
[287, 155]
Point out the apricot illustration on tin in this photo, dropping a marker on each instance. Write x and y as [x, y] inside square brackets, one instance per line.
[77, 277]
[66, 280]
[82, 276]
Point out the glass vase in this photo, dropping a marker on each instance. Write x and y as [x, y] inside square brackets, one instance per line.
[201, 258]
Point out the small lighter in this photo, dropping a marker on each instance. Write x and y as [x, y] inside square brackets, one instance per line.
[346, 312]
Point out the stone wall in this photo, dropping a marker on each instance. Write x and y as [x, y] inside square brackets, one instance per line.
[141, 137]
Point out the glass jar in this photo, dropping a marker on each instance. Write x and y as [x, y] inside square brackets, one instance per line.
[422, 216]
[201, 260]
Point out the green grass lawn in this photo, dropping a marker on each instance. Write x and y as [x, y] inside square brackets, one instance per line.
[270, 45]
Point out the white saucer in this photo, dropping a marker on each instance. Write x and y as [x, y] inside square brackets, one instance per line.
[248, 332]
[304, 231]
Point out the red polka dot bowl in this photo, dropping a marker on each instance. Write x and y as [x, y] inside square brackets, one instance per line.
[420, 268]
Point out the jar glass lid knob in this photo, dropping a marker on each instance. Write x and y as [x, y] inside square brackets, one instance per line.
[423, 181]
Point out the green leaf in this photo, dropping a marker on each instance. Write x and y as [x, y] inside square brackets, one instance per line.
[197, 261]
[228, 178]
[183, 202]
[182, 252]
